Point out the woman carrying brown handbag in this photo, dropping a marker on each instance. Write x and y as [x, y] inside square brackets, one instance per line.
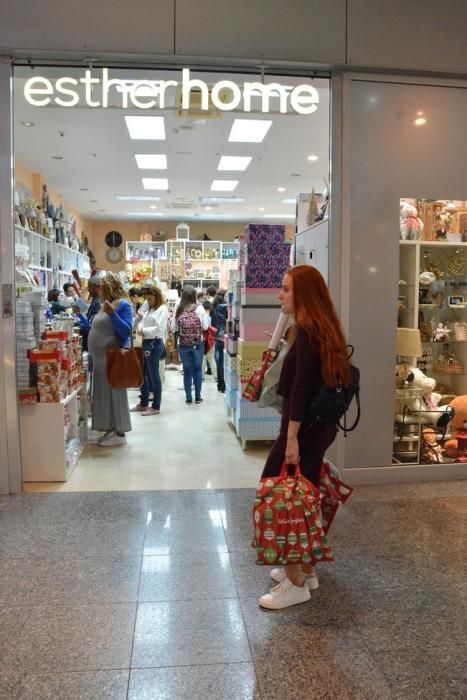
[111, 326]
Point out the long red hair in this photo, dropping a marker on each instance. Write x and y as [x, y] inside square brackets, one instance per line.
[315, 312]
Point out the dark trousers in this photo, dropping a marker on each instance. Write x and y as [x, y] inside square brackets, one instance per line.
[152, 352]
[192, 361]
[219, 359]
[312, 445]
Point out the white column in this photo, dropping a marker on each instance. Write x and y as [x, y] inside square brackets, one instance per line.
[10, 456]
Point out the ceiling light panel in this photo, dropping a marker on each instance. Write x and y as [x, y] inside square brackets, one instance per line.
[249, 130]
[223, 185]
[155, 183]
[137, 198]
[151, 161]
[234, 162]
[289, 200]
[144, 214]
[221, 200]
[147, 128]
[279, 216]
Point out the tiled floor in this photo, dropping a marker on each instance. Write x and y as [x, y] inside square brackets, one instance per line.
[152, 595]
[185, 447]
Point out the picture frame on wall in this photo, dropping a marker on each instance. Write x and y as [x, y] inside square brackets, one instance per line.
[456, 301]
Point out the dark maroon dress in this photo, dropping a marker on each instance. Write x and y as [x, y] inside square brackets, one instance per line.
[299, 383]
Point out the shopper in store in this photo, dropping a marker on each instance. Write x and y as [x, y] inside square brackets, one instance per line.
[135, 297]
[53, 297]
[69, 295]
[153, 330]
[211, 293]
[219, 321]
[209, 363]
[188, 323]
[85, 320]
[112, 325]
[317, 354]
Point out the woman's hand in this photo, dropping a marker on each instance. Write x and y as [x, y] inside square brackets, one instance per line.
[291, 451]
[108, 308]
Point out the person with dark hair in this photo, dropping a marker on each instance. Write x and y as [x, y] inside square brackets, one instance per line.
[189, 322]
[53, 296]
[211, 293]
[135, 297]
[317, 355]
[94, 289]
[153, 329]
[219, 321]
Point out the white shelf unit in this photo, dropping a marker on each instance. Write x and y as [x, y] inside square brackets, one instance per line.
[50, 449]
[200, 263]
[49, 261]
[416, 257]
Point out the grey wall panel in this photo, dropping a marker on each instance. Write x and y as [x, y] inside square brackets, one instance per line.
[391, 158]
[116, 26]
[419, 34]
[298, 30]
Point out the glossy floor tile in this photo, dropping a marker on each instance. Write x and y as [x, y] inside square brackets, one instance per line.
[153, 595]
[185, 447]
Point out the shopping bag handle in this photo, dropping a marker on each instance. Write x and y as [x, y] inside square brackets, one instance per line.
[285, 469]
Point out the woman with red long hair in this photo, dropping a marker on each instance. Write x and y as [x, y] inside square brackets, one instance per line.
[317, 355]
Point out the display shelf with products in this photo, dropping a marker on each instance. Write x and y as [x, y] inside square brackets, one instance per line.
[45, 262]
[433, 299]
[52, 438]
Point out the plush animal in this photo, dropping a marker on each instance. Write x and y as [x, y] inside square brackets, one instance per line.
[428, 403]
[431, 449]
[456, 447]
[411, 226]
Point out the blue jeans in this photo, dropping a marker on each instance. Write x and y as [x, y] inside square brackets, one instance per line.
[152, 351]
[219, 358]
[192, 361]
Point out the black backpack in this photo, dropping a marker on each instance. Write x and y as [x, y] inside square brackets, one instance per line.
[332, 403]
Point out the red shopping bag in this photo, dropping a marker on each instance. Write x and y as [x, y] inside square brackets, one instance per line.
[286, 518]
[334, 493]
[209, 338]
[254, 386]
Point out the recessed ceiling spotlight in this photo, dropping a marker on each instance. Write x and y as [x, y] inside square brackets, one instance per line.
[28, 124]
[57, 157]
[313, 157]
[281, 189]
[420, 121]
[261, 208]
[153, 206]
[207, 208]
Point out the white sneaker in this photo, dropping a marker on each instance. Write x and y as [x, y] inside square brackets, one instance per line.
[107, 434]
[284, 595]
[150, 412]
[113, 441]
[311, 580]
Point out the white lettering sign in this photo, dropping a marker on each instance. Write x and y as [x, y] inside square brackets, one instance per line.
[225, 95]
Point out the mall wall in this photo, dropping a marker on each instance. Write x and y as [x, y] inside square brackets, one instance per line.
[420, 35]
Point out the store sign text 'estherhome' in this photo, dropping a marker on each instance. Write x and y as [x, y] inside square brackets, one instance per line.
[224, 95]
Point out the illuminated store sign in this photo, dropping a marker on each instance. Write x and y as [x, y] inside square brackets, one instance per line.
[224, 95]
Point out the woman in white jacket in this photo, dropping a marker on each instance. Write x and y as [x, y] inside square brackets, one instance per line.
[153, 329]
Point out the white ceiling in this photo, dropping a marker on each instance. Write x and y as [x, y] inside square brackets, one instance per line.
[98, 154]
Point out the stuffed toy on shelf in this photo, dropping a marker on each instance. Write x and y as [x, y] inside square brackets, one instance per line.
[456, 446]
[411, 226]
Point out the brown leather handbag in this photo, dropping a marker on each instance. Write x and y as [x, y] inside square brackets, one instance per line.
[125, 367]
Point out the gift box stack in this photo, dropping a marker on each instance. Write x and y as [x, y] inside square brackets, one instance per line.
[264, 259]
[39, 306]
[59, 366]
[25, 342]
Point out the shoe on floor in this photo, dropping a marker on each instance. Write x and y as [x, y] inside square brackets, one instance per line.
[311, 580]
[138, 408]
[198, 400]
[113, 440]
[284, 595]
[189, 402]
[208, 371]
[107, 434]
[150, 412]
